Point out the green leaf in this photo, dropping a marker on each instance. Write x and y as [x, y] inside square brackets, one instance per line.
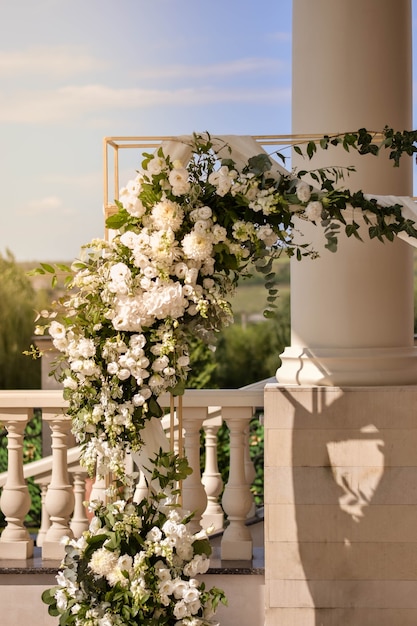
[48, 268]
[48, 596]
[179, 388]
[298, 150]
[311, 149]
[154, 407]
[113, 541]
[259, 164]
[202, 546]
[117, 220]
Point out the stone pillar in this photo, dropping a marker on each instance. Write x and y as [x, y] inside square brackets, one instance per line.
[340, 506]
[352, 312]
[340, 427]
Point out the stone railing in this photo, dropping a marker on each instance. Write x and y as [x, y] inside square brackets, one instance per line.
[62, 480]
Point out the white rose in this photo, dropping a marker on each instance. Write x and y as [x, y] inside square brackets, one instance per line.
[303, 191]
[70, 383]
[178, 178]
[181, 610]
[57, 330]
[156, 165]
[204, 212]
[123, 374]
[154, 534]
[313, 211]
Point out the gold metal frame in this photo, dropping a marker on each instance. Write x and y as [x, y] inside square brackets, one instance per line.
[112, 146]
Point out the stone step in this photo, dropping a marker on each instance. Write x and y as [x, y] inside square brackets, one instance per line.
[22, 584]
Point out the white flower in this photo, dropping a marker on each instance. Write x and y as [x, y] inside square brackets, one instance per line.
[160, 363]
[219, 233]
[57, 330]
[198, 565]
[154, 534]
[197, 246]
[103, 561]
[181, 610]
[167, 214]
[222, 179]
[95, 525]
[119, 272]
[61, 599]
[313, 211]
[178, 178]
[303, 191]
[156, 165]
[185, 551]
[70, 383]
[204, 213]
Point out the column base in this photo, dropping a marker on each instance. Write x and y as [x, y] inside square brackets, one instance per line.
[52, 551]
[336, 367]
[16, 550]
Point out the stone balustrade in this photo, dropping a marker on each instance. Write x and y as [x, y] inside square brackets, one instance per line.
[62, 480]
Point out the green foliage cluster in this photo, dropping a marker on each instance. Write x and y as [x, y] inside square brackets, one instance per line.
[17, 299]
[365, 141]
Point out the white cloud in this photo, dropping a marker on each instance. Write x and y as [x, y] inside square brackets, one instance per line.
[73, 102]
[58, 61]
[250, 65]
[45, 206]
[88, 181]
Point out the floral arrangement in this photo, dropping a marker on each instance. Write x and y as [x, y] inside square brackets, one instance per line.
[186, 233]
[137, 563]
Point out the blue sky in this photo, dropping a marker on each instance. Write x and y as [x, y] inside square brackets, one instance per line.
[72, 72]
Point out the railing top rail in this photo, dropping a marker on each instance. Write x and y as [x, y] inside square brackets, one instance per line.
[51, 398]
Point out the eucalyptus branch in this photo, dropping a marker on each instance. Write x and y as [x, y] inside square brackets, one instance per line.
[364, 141]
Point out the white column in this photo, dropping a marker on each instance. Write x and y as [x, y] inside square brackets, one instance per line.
[334, 553]
[352, 312]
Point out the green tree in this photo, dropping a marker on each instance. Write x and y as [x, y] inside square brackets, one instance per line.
[17, 303]
[17, 371]
[245, 355]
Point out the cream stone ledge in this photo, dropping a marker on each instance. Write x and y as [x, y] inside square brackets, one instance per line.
[348, 366]
[51, 398]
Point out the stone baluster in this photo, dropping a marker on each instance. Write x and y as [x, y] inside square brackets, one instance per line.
[59, 500]
[250, 471]
[45, 521]
[237, 498]
[79, 521]
[99, 489]
[213, 484]
[15, 541]
[194, 497]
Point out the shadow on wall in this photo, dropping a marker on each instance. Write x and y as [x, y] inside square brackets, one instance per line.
[355, 495]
